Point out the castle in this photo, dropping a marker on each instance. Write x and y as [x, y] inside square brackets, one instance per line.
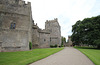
[17, 28]
[70, 43]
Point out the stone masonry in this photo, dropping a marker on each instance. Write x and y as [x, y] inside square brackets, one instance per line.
[51, 35]
[55, 33]
[69, 41]
[41, 38]
[15, 25]
[17, 28]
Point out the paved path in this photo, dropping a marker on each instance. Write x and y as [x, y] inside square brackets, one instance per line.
[68, 56]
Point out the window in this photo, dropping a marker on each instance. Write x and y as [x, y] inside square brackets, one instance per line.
[0, 44]
[44, 39]
[13, 25]
[50, 39]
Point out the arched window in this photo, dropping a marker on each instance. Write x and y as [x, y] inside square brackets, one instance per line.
[13, 25]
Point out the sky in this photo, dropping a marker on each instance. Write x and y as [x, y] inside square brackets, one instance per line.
[68, 12]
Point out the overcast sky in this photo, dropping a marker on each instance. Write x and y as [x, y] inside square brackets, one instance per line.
[67, 12]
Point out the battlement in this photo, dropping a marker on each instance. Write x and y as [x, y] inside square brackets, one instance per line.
[55, 20]
[14, 2]
[21, 2]
[52, 22]
[15, 6]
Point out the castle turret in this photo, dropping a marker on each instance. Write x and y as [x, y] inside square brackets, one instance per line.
[55, 32]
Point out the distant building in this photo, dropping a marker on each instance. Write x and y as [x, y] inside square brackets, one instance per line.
[69, 41]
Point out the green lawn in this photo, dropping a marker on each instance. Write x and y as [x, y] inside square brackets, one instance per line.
[92, 53]
[25, 57]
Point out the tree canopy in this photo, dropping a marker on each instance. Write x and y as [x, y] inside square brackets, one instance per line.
[87, 31]
[63, 40]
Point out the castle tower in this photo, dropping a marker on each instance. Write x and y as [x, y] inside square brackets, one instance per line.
[15, 25]
[55, 32]
[69, 41]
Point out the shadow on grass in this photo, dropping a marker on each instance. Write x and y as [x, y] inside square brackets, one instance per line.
[86, 48]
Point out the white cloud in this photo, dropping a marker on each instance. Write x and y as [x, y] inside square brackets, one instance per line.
[67, 12]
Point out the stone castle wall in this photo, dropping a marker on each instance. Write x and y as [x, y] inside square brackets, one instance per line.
[44, 39]
[41, 38]
[18, 14]
[17, 28]
[35, 37]
[51, 35]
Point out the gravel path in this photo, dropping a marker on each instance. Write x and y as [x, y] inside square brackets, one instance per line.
[68, 56]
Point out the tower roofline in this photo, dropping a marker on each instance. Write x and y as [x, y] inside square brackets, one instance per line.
[54, 20]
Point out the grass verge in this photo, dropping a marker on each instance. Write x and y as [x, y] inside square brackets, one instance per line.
[92, 53]
[26, 57]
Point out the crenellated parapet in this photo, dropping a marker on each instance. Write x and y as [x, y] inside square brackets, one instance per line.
[15, 6]
[14, 2]
[55, 20]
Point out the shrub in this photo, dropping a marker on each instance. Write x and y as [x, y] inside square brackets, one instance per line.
[62, 45]
[97, 42]
[53, 46]
[30, 45]
[59, 46]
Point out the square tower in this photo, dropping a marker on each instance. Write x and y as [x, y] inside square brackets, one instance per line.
[15, 25]
[55, 31]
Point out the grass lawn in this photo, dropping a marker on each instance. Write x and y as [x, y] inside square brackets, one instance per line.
[92, 53]
[25, 57]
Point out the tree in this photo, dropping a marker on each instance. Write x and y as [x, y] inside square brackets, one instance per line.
[87, 31]
[63, 40]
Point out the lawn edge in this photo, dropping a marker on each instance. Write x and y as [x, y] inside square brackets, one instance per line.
[85, 55]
